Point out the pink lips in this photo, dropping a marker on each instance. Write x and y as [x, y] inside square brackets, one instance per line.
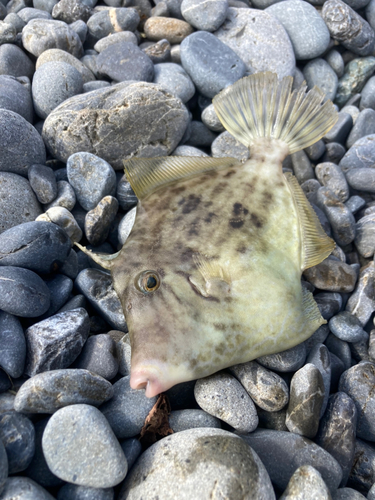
[148, 378]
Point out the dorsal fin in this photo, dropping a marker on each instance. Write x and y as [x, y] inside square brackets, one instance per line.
[148, 174]
[316, 245]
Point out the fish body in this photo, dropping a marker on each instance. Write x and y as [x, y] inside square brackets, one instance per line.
[210, 275]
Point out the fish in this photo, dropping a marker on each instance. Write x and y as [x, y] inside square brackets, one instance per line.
[210, 275]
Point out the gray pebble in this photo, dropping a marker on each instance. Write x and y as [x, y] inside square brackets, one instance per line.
[340, 131]
[127, 410]
[318, 72]
[306, 400]
[347, 494]
[8, 33]
[159, 52]
[126, 226]
[365, 235]
[355, 203]
[364, 126]
[98, 220]
[23, 488]
[58, 55]
[132, 448]
[258, 38]
[287, 361]
[181, 420]
[175, 80]
[331, 176]
[167, 28]
[340, 348]
[225, 145]
[80, 447]
[367, 95]
[267, 389]
[200, 135]
[188, 151]
[105, 22]
[362, 179]
[318, 337]
[222, 396]
[197, 463]
[125, 194]
[362, 475]
[356, 74]
[362, 301]
[54, 389]
[123, 350]
[14, 61]
[70, 11]
[347, 327]
[310, 188]
[99, 356]
[46, 5]
[15, 21]
[316, 151]
[335, 60]
[353, 111]
[301, 166]
[306, 484]
[18, 437]
[98, 289]
[319, 357]
[329, 303]
[120, 36]
[360, 155]
[16, 97]
[12, 340]
[63, 218]
[74, 303]
[332, 275]
[334, 152]
[80, 27]
[98, 84]
[124, 61]
[205, 16]
[65, 198]
[28, 13]
[73, 492]
[55, 343]
[43, 182]
[211, 120]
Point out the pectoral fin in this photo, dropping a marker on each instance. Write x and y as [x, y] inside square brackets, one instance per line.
[311, 309]
[211, 279]
[104, 260]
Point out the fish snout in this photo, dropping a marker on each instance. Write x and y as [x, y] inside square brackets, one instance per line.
[151, 377]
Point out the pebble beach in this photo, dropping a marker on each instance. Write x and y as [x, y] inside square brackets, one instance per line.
[87, 84]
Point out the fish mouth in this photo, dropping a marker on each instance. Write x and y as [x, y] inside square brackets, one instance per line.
[150, 377]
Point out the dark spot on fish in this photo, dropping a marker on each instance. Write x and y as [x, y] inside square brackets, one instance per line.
[267, 196]
[193, 363]
[209, 217]
[228, 300]
[178, 189]
[193, 231]
[256, 220]
[191, 203]
[219, 188]
[220, 326]
[236, 223]
[207, 204]
[181, 202]
[238, 209]
[241, 249]
[230, 173]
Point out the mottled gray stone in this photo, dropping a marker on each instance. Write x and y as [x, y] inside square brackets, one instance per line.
[181, 420]
[318, 72]
[362, 301]
[306, 484]
[127, 410]
[340, 131]
[360, 155]
[211, 120]
[206, 16]
[58, 55]
[175, 80]
[332, 275]
[362, 475]
[65, 198]
[188, 151]
[124, 61]
[80, 447]
[340, 348]
[99, 356]
[98, 220]
[225, 145]
[63, 218]
[43, 182]
[329, 303]
[356, 74]
[362, 179]
[8, 33]
[109, 112]
[132, 448]
[23, 488]
[13, 346]
[105, 22]
[347, 327]
[70, 11]
[173, 30]
[316, 150]
[258, 39]
[334, 152]
[222, 396]
[287, 361]
[73, 492]
[120, 36]
[14, 61]
[18, 437]
[16, 97]
[365, 234]
[198, 463]
[159, 52]
[332, 177]
[123, 350]
[29, 13]
[319, 357]
[335, 60]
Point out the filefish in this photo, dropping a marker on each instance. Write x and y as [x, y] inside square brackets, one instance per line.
[210, 275]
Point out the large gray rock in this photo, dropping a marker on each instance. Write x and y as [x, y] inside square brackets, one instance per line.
[125, 120]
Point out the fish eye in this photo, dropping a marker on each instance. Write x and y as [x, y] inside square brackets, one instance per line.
[148, 281]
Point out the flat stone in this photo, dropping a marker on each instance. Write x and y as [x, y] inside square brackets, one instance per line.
[175, 80]
[43, 182]
[18, 437]
[287, 361]
[302, 166]
[205, 16]
[55, 343]
[347, 327]
[332, 275]
[198, 462]
[306, 483]
[105, 22]
[58, 55]
[80, 447]
[173, 30]
[12, 340]
[99, 356]
[362, 301]
[357, 72]
[23, 488]
[181, 420]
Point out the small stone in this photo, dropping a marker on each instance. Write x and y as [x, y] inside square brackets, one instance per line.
[181, 420]
[55, 343]
[329, 303]
[225, 145]
[357, 72]
[99, 356]
[287, 361]
[12, 340]
[132, 449]
[23, 488]
[222, 396]
[362, 475]
[199, 463]
[105, 22]
[362, 179]
[335, 60]
[175, 80]
[353, 111]
[123, 350]
[306, 483]
[362, 301]
[65, 198]
[319, 357]
[355, 203]
[14, 61]
[54, 389]
[188, 151]
[126, 226]
[334, 152]
[318, 72]
[306, 400]
[340, 131]
[80, 447]
[301, 166]
[347, 494]
[73, 492]
[58, 55]
[98, 221]
[159, 52]
[347, 327]
[173, 30]
[63, 218]
[211, 120]
[125, 194]
[16, 97]
[205, 16]
[332, 275]
[364, 125]
[98, 84]
[318, 337]
[29, 13]
[120, 36]
[316, 151]
[70, 11]
[340, 348]
[8, 33]
[18, 437]
[74, 303]
[331, 176]
[200, 135]
[360, 155]
[127, 410]
[310, 188]
[43, 182]
[267, 389]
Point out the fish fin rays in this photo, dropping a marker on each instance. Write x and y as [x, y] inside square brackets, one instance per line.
[103, 259]
[316, 245]
[260, 105]
[212, 279]
[311, 309]
[148, 174]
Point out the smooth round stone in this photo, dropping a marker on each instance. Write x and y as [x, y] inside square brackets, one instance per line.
[302, 166]
[211, 120]
[287, 361]
[258, 38]
[188, 151]
[55, 342]
[6, 403]
[73, 492]
[99, 356]
[39, 246]
[91, 177]
[8, 33]
[348, 494]
[60, 288]
[195, 464]
[347, 327]
[210, 63]
[175, 80]
[319, 357]
[331, 176]
[306, 399]
[222, 396]
[306, 483]
[337, 431]
[159, 52]
[99, 220]
[181, 420]
[16, 97]
[63, 218]
[65, 196]
[361, 303]
[357, 383]
[363, 472]
[42, 34]
[108, 21]
[353, 111]
[150, 136]
[53, 83]
[309, 39]
[335, 60]
[334, 152]
[132, 448]
[49, 391]
[357, 72]
[28, 13]
[125, 61]
[355, 203]
[15, 21]
[368, 95]
[267, 389]
[362, 179]
[316, 151]
[332, 275]
[18, 437]
[329, 303]
[318, 72]
[43, 182]
[74, 303]
[225, 145]
[127, 410]
[70, 11]
[205, 16]
[126, 225]
[23, 488]
[340, 348]
[12, 340]
[282, 453]
[121, 36]
[98, 289]
[80, 447]
[58, 55]
[365, 235]
[22, 292]
[14, 61]
[173, 30]
[364, 126]
[360, 155]
[125, 194]
[20, 144]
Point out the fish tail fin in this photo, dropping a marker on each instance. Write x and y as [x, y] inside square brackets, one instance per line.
[262, 106]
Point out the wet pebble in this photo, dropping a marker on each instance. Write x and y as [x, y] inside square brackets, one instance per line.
[99, 356]
[98, 220]
[18, 437]
[347, 327]
[12, 340]
[306, 484]
[222, 396]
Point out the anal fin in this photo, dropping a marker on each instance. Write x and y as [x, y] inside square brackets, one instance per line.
[311, 309]
[316, 245]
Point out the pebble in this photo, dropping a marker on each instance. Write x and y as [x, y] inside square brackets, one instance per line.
[211, 120]
[301, 166]
[98, 289]
[23, 488]
[43, 182]
[65, 198]
[306, 484]
[335, 60]
[360, 155]
[318, 72]
[356, 74]
[15, 21]
[14, 61]
[173, 30]
[340, 131]
[340, 348]
[125, 194]
[132, 448]
[365, 235]
[205, 16]
[287, 361]
[123, 351]
[329, 303]
[355, 203]
[319, 357]
[28, 13]
[124, 61]
[159, 52]
[181, 420]
[98, 221]
[55, 342]
[53, 83]
[332, 275]
[18, 437]
[120, 36]
[267, 389]
[174, 79]
[331, 176]
[126, 225]
[98, 84]
[364, 125]
[306, 400]
[225, 145]
[347, 494]
[362, 301]
[105, 22]
[318, 337]
[347, 327]
[310, 39]
[362, 475]
[258, 38]
[58, 55]
[8, 33]
[17, 153]
[222, 396]
[16, 97]
[127, 410]
[99, 356]
[188, 151]
[80, 447]
[334, 152]
[209, 461]
[63, 218]
[12, 340]
[70, 11]
[200, 135]
[362, 179]
[47, 392]
[116, 105]
[337, 431]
